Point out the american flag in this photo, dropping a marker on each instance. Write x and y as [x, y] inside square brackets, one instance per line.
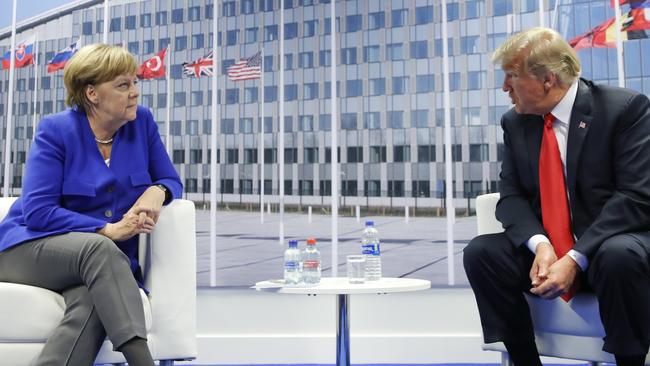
[200, 67]
[246, 68]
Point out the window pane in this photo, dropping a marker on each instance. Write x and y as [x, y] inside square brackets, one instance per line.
[399, 17]
[353, 23]
[376, 20]
[423, 14]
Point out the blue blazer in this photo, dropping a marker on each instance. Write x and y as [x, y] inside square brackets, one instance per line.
[68, 187]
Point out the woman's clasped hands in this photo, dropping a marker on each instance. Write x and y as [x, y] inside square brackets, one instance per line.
[141, 218]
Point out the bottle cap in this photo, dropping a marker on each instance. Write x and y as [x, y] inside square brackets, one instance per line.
[293, 243]
[370, 223]
[311, 241]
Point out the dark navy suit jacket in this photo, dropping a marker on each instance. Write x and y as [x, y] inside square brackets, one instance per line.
[68, 187]
[607, 166]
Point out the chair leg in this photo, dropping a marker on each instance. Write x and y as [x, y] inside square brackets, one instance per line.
[505, 359]
[166, 362]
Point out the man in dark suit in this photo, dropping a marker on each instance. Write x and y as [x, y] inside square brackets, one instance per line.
[575, 202]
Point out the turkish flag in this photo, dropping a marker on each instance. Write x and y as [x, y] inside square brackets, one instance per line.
[153, 67]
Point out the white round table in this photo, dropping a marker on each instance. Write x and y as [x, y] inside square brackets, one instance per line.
[343, 289]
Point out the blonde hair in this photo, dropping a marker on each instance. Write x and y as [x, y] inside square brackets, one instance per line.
[91, 65]
[537, 51]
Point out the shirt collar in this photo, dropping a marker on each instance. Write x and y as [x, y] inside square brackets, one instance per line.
[562, 110]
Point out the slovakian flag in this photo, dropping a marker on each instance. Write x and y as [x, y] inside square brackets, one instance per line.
[200, 67]
[246, 68]
[153, 67]
[633, 26]
[24, 55]
[61, 58]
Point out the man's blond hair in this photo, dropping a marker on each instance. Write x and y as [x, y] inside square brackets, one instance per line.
[537, 51]
[91, 65]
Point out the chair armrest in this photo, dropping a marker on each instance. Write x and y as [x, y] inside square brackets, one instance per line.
[171, 279]
[486, 220]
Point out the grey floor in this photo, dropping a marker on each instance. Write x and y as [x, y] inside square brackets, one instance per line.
[249, 251]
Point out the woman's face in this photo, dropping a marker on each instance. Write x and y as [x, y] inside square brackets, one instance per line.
[116, 100]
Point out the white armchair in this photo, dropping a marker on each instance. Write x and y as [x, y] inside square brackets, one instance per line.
[566, 330]
[29, 314]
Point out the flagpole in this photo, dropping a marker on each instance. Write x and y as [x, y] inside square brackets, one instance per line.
[554, 21]
[334, 164]
[10, 102]
[281, 123]
[540, 5]
[105, 35]
[213, 151]
[261, 142]
[35, 86]
[619, 45]
[449, 197]
[168, 138]
[514, 16]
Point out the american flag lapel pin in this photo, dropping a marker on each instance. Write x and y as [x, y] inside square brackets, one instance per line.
[582, 125]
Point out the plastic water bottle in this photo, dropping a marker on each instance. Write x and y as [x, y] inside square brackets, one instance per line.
[370, 248]
[311, 263]
[292, 263]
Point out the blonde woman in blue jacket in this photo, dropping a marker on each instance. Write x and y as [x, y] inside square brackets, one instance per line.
[97, 176]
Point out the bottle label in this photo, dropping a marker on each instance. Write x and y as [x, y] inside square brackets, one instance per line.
[310, 264]
[291, 265]
[370, 249]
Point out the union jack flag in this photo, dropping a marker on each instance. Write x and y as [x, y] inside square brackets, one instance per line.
[200, 67]
[246, 68]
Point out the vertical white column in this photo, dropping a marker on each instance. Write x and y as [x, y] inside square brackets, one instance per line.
[106, 20]
[281, 123]
[10, 103]
[449, 188]
[334, 129]
[261, 126]
[168, 138]
[35, 95]
[619, 45]
[213, 151]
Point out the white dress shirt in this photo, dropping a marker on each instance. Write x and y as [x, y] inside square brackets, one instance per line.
[562, 114]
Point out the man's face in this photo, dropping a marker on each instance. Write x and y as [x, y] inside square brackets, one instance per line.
[526, 91]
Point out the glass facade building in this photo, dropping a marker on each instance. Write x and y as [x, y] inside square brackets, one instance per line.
[390, 89]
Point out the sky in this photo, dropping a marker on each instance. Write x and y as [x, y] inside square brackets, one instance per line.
[26, 9]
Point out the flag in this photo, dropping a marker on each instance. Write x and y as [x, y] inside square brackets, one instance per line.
[634, 4]
[153, 67]
[24, 55]
[637, 19]
[633, 26]
[612, 3]
[246, 68]
[200, 67]
[596, 37]
[61, 58]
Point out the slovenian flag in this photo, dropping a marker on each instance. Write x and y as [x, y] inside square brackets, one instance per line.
[24, 55]
[61, 58]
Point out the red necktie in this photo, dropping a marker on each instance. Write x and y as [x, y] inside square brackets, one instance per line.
[555, 204]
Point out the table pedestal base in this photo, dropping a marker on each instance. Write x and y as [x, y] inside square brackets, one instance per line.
[342, 330]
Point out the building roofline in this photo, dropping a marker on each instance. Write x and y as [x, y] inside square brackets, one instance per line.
[48, 16]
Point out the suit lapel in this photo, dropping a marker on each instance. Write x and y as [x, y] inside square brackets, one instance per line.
[533, 132]
[581, 120]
